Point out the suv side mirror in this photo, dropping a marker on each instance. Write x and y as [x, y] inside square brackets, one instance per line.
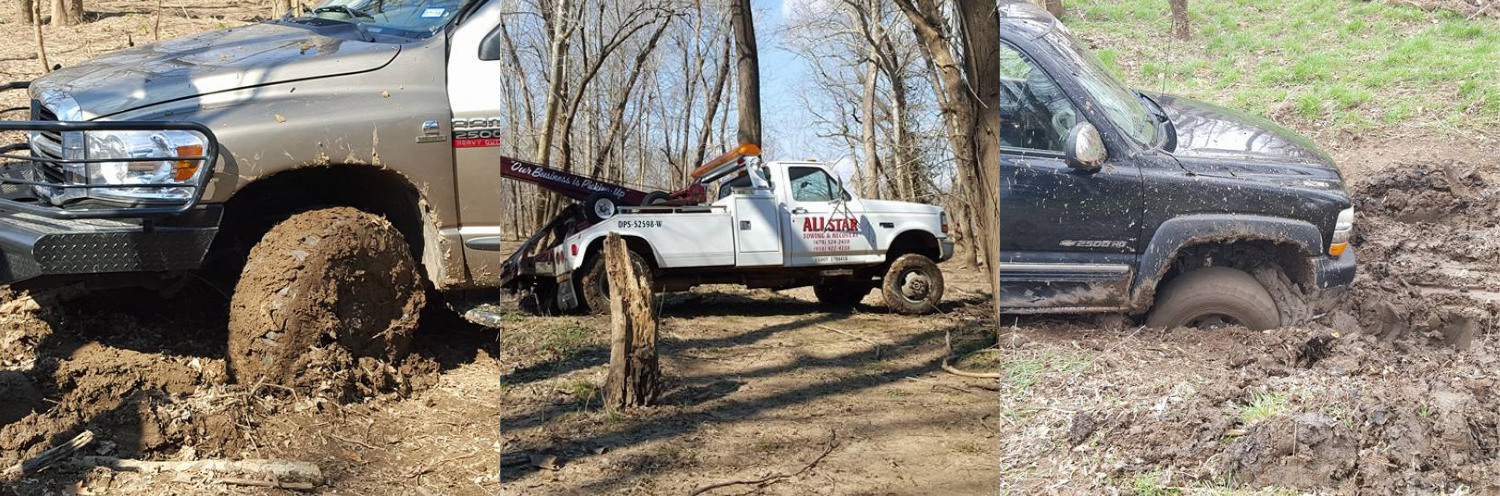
[1085, 148]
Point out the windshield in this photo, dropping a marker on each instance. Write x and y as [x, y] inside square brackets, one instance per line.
[1118, 102]
[406, 18]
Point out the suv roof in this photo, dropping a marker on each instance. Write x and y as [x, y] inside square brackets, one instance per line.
[1024, 18]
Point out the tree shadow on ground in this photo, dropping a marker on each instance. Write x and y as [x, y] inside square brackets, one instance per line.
[681, 421]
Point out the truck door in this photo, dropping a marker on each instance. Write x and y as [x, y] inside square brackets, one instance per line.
[1067, 236]
[757, 219]
[475, 97]
[823, 226]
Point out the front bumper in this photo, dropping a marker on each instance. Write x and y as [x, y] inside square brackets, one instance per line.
[945, 249]
[33, 246]
[1334, 272]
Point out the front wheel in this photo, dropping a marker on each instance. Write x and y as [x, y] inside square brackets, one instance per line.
[593, 287]
[329, 277]
[913, 285]
[1213, 297]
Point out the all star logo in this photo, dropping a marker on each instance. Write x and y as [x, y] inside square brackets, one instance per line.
[813, 224]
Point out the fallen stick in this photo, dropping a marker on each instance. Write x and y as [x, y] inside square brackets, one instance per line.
[281, 471]
[948, 353]
[855, 336]
[832, 443]
[49, 457]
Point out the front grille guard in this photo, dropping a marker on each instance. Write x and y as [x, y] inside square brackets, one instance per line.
[17, 170]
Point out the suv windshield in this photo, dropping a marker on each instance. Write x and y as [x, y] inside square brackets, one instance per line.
[1118, 102]
[405, 18]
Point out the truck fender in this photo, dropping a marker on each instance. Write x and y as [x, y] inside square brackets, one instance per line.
[1181, 232]
[596, 242]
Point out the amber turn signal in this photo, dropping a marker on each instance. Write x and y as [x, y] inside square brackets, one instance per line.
[1337, 249]
[185, 169]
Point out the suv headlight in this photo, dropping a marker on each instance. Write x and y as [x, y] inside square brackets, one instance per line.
[1343, 230]
[97, 145]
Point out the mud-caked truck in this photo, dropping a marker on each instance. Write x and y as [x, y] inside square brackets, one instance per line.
[1121, 201]
[337, 168]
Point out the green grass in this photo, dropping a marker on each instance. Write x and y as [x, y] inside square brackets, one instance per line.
[1262, 407]
[1317, 65]
[1024, 372]
[550, 338]
[1152, 484]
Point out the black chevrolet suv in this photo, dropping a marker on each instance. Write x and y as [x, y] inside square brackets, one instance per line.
[1115, 200]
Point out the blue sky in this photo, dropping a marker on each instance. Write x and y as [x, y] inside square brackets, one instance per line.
[781, 72]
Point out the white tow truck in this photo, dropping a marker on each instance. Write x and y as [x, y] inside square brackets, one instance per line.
[772, 225]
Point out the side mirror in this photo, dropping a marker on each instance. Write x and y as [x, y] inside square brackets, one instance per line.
[1085, 148]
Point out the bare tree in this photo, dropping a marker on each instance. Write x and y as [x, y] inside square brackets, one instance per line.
[74, 12]
[1180, 28]
[748, 71]
[23, 11]
[41, 45]
[971, 104]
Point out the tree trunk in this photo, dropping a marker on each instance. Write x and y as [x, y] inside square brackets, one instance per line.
[280, 7]
[59, 11]
[41, 46]
[634, 376]
[748, 65]
[23, 11]
[74, 12]
[713, 96]
[1180, 28]
[867, 133]
[971, 100]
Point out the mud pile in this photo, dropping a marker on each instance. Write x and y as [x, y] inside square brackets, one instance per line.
[149, 389]
[1350, 414]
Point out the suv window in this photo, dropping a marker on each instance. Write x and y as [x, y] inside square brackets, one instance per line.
[811, 184]
[1035, 113]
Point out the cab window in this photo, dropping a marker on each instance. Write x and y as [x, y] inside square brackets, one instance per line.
[1034, 112]
[811, 184]
[742, 181]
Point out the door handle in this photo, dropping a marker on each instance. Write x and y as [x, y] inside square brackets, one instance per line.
[799, 210]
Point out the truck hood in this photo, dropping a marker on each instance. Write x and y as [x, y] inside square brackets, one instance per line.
[216, 61]
[899, 207]
[1211, 132]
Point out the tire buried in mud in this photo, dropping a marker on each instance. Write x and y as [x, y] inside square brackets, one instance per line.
[1230, 295]
[323, 278]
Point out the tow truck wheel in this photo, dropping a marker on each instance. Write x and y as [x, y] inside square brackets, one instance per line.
[913, 285]
[323, 277]
[842, 294]
[594, 286]
[655, 198]
[598, 207]
[1213, 297]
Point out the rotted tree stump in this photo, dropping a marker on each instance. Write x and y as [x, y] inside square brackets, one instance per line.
[634, 376]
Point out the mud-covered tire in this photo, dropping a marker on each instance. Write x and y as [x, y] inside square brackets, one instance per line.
[593, 287]
[913, 285]
[1214, 295]
[323, 277]
[843, 294]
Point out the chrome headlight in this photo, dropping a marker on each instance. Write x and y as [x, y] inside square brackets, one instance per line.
[95, 145]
